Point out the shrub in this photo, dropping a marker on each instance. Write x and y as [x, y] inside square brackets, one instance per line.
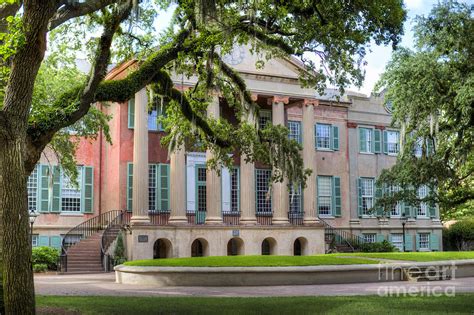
[378, 247]
[119, 253]
[40, 267]
[45, 255]
[460, 235]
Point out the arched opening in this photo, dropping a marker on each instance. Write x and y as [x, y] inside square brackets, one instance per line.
[199, 248]
[235, 247]
[269, 246]
[162, 248]
[300, 246]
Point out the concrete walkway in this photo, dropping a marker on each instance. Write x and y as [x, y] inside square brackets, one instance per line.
[104, 284]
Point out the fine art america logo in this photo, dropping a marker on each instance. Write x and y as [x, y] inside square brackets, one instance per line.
[420, 280]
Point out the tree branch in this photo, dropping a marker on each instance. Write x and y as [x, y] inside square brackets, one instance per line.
[36, 146]
[70, 11]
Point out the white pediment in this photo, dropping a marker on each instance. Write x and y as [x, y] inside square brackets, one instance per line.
[242, 60]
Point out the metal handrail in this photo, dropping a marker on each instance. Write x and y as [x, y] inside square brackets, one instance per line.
[353, 241]
[85, 230]
[108, 238]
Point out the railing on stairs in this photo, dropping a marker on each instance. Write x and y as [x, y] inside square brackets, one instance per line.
[340, 237]
[108, 237]
[84, 231]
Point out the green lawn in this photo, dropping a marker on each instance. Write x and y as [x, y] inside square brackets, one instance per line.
[423, 256]
[460, 304]
[252, 261]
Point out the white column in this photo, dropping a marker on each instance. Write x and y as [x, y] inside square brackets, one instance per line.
[247, 185]
[140, 159]
[309, 194]
[280, 195]
[178, 186]
[213, 180]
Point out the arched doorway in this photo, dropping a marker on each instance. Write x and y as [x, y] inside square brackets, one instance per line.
[299, 246]
[235, 247]
[269, 246]
[162, 248]
[199, 248]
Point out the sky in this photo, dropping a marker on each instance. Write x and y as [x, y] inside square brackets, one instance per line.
[379, 56]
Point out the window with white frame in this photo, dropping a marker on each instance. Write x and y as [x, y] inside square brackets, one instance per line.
[367, 195]
[264, 117]
[263, 198]
[71, 193]
[234, 190]
[32, 185]
[152, 189]
[294, 130]
[422, 206]
[155, 111]
[323, 136]
[396, 210]
[324, 195]
[366, 140]
[369, 237]
[418, 147]
[397, 241]
[295, 199]
[34, 240]
[393, 142]
[424, 239]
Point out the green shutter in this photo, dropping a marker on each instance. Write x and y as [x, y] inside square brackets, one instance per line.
[432, 210]
[408, 242]
[129, 186]
[336, 184]
[56, 241]
[362, 141]
[56, 203]
[131, 113]
[434, 242]
[407, 209]
[335, 138]
[429, 147]
[359, 191]
[43, 188]
[164, 188]
[317, 194]
[87, 189]
[385, 142]
[380, 238]
[417, 241]
[377, 140]
[378, 195]
[43, 240]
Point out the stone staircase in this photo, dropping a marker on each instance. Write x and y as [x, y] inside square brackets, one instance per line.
[85, 256]
[429, 273]
[340, 241]
[91, 253]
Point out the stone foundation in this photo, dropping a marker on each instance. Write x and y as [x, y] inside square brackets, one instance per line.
[177, 240]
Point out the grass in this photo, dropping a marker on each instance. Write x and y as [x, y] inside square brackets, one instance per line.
[252, 261]
[415, 256]
[459, 304]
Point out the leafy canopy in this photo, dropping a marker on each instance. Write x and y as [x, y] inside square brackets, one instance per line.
[432, 92]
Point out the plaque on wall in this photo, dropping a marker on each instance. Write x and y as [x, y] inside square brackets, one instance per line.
[142, 238]
[235, 233]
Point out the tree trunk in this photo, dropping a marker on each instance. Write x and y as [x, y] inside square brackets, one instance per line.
[17, 269]
[18, 288]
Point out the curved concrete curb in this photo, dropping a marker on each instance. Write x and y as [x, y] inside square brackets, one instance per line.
[267, 276]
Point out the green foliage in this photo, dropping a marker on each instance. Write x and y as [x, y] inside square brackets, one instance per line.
[40, 267]
[421, 304]
[45, 255]
[119, 252]
[252, 261]
[432, 92]
[377, 247]
[460, 235]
